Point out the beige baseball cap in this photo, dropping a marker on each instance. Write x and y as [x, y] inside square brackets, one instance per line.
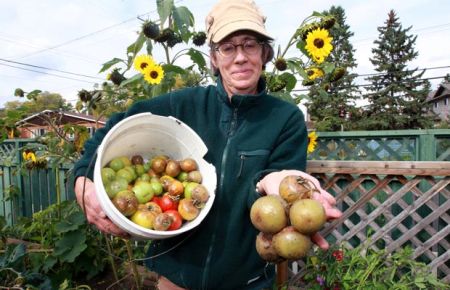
[229, 16]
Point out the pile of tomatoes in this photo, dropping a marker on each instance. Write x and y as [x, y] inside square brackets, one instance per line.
[159, 194]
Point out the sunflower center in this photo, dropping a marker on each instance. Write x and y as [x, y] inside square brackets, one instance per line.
[154, 74]
[143, 65]
[318, 42]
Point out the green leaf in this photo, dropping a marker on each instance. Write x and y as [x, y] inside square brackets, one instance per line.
[290, 80]
[182, 18]
[70, 223]
[135, 47]
[136, 78]
[64, 285]
[33, 94]
[173, 68]
[109, 64]
[13, 256]
[149, 46]
[301, 46]
[70, 246]
[49, 262]
[164, 8]
[328, 67]
[197, 58]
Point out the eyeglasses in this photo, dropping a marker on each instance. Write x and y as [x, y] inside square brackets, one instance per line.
[249, 46]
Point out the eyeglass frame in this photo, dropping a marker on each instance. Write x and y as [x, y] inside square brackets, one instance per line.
[235, 46]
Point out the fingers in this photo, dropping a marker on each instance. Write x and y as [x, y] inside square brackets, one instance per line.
[333, 213]
[320, 241]
[87, 199]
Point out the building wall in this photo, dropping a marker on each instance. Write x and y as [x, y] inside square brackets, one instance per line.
[442, 108]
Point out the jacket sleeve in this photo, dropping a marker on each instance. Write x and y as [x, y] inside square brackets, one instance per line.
[290, 151]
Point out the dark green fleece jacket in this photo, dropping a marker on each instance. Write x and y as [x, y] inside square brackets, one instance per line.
[246, 138]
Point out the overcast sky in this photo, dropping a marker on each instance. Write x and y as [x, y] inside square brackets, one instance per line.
[78, 36]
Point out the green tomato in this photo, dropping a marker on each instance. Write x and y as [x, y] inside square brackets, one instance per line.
[188, 189]
[108, 175]
[182, 176]
[139, 169]
[143, 191]
[116, 164]
[125, 174]
[116, 186]
[157, 187]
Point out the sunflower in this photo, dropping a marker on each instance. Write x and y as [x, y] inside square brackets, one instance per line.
[29, 156]
[318, 44]
[312, 141]
[143, 61]
[314, 73]
[153, 74]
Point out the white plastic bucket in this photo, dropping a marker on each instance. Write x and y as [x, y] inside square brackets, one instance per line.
[149, 135]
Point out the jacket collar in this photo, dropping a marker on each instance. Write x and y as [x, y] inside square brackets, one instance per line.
[239, 101]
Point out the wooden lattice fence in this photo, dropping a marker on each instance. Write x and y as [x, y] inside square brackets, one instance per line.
[394, 203]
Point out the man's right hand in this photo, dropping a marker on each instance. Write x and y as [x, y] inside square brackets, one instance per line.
[93, 211]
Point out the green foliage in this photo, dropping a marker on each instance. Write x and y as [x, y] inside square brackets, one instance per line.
[176, 26]
[366, 268]
[68, 248]
[397, 95]
[282, 80]
[331, 104]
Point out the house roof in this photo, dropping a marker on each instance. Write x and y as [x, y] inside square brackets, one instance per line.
[442, 91]
[40, 118]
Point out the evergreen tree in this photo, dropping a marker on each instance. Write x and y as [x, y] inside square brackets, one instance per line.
[336, 110]
[397, 94]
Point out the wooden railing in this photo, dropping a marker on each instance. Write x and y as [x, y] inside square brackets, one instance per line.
[390, 205]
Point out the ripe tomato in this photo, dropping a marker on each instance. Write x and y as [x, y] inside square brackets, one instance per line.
[177, 220]
[166, 203]
[157, 200]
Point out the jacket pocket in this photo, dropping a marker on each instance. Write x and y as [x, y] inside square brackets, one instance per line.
[252, 161]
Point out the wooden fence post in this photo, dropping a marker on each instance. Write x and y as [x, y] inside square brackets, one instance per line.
[282, 274]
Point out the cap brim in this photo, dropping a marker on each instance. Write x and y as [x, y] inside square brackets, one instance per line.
[232, 27]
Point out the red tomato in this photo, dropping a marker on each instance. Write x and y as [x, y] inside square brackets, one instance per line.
[167, 203]
[157, 200]
[177, 220]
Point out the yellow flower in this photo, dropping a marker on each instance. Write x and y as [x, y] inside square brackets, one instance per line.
[31, 156]
[143, 61]
[153, 74]
[312, 141]
[314, 73]
[318, 44]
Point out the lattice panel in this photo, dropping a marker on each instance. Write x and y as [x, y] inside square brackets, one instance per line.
[394, 211]
[401, 148]
[443, 149]
[7, 151]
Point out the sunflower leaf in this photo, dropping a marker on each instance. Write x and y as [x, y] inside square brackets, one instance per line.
[109, 64]
[133, 79]
[135, 47]
[164, 8]
[197, 58]
[182, 18]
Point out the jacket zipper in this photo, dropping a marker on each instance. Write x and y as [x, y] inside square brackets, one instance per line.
[222, 175]
[244, 154]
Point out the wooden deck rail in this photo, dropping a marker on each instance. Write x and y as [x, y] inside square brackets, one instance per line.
[399, 202]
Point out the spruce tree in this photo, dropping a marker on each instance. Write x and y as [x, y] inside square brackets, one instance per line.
[336, 110]
[396, 93]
